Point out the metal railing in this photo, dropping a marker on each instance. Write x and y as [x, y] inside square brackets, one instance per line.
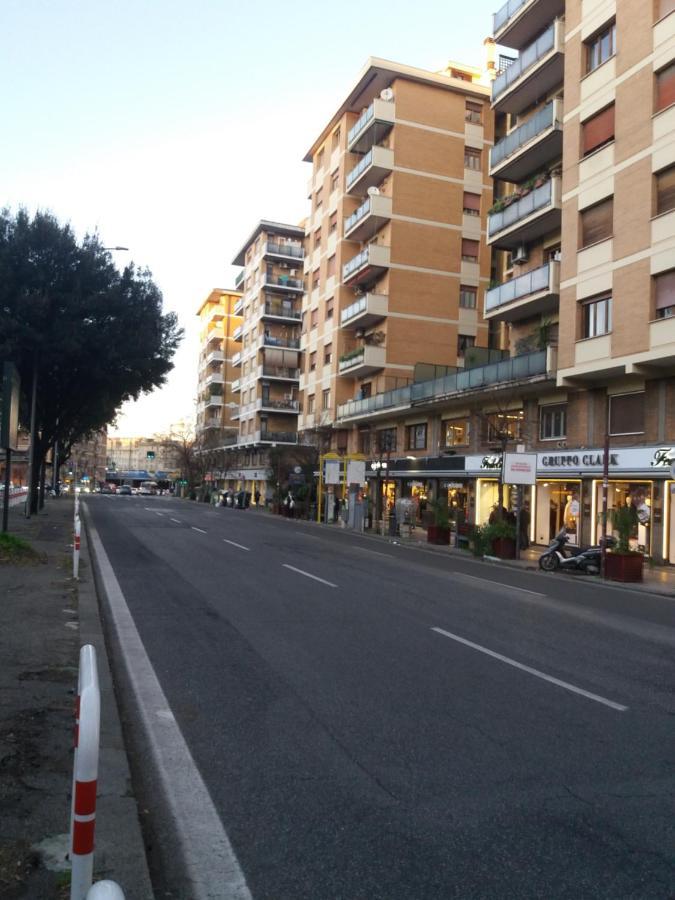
[359, 169]
[529, 283]
[522, 135]
[284, 281]
[280, 372]
[352, 359]
[280, 437]
[285, 249]
[537, 199]
[282, 310]
[531, 55]
[267, 403]
[269, 340]
[514, 369]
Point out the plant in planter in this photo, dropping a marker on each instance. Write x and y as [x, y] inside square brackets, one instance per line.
[500, 538]
[624, 564]
[439, 531]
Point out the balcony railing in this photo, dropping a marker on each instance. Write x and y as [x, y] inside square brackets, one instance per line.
[514, 369]
[546, 75]
[544, 278]
[379, 111]
[508, 10]
[373, 255]
[238, 306]
[285, 281]
[269, 340]
[522, 135]
[297, 252]
[278, 437]
[282, 311]
[357, 215]
[359, 169]
[291, 374]
[367, 309]
[284, 405]
[239, 280]
[537, 199]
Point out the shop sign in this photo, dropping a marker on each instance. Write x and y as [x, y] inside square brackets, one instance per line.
[332, 470]
[452, 485]
[356, 471]
[630, 459]
[665, 456]
[520, 468]
[492, 462]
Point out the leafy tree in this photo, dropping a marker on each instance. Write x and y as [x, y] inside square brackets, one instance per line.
[90, 337]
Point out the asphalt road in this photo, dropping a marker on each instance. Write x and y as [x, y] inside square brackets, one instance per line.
[375, 722]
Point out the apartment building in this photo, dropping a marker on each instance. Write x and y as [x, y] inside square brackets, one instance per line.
[219, 330]
[583, 239]
[396, 261]
[141, 455]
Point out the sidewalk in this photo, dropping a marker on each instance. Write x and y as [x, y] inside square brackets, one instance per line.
[44, 619]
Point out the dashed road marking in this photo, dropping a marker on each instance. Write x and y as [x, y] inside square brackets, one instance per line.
[309, 575]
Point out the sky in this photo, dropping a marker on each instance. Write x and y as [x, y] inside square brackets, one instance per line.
[173, 128]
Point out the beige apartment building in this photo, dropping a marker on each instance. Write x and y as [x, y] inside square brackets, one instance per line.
[583, 238]
[220, 327]
[396, 260]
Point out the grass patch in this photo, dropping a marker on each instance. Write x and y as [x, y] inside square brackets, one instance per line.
[14, 550]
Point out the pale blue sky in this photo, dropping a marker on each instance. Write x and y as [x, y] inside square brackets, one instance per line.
[173, 127]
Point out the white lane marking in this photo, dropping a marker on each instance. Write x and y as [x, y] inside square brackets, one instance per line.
[149, 508]
[212, 870]
[374, 552]
[500, 584]
[308, 575]
[194, 528]
[531, 671]
[177, 521]
[234, 544]
[158, 513]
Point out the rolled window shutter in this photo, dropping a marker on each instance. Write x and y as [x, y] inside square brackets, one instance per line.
[598, 130]
[665, 289]
[471, 201]
[665, 87]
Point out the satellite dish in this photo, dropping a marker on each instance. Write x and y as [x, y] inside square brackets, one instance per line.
[387, 94]
[373, 192]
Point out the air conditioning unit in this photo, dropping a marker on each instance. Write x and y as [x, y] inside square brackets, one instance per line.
[519, 255]
[387, 94]
[373, 192]
[293, 272]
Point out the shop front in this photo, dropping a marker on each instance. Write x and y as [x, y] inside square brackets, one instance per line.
[421, 481]
[557, 505]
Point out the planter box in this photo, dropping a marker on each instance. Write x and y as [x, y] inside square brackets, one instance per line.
[624, 566]
[504, 548]
[437, 534]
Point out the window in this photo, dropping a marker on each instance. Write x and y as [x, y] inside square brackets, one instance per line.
[471, 204]
[597, 222]
[303, 327]
[317, 238]
[334, 181]
[416, 437]
[597, 317]
[664, 8]
[505, 426]
[364, 442]
[335, 141]
[469, 250]
[327, 354]
[331, 266]
[318, 198]
[552, 422]
[312, 361]
[319, 160]
[315, 279]
[325, 399]
[314, 320]
[386, 440]
[329, 308]
[627, 413]
[597, 131]
[664, 293]
[472, 159]
[467, 296]
[473, 112]
[665, 87]
[465, 342]
[665, 190]
[601, 47]
[456, 432]
[310, 403]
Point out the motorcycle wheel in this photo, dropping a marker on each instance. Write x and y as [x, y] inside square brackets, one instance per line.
[549, 562]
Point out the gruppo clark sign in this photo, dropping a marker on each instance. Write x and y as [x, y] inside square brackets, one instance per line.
[654, 461]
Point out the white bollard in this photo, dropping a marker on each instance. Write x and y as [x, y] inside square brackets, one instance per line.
[76, 550]
[85, 774]
[105, 890]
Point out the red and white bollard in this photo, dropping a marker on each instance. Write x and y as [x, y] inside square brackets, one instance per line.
[76, 549]
[85, 774]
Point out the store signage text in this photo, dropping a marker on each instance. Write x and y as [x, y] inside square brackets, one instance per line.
[491, 462]
[664, 456]
[574, 460]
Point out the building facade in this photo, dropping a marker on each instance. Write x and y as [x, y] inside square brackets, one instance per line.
[396, 261]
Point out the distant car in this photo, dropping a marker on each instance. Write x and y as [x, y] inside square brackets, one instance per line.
[124, 489]
[134, 491]
[106, 489]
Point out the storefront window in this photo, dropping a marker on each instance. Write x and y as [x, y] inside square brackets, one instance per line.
[637, 494]
[456, 432]
[558, 506]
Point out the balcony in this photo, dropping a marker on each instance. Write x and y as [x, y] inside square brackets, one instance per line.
[533, 293]
[214, 356]
[213, 401]
[239, 280]
[237, 333]
[284, 283]
[528, 218]
[292, 252]
[366, 311]
[366, 265]
[214, 378]
[540, 366]
[278, 343]
[363, 361]
[529, 147]
[238, 307]
[215, 334]
[367, 220]
[518, 22]
[275, 437]
[281, 311]
[535, 73]
[235, 387]
[279, 373]
[266, 404]
[236, 359]
[371, 170]
[373, 124]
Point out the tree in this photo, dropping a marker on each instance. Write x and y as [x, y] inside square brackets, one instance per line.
[88, 336]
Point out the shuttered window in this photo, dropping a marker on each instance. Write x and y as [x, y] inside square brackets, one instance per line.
[665, 87]
[597, 222]
[627, 413]
[473, 112]
[664, 294]
[471, 204]
[469, 250]
[665, 190]
[597, 131]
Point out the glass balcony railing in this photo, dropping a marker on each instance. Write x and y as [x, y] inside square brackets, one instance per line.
[354, 264]
[359, 169]
[507, 11]
[284, 281]
[522, 135]
[360, 123]
[269, 340]
[529, 283]
[514, 369]
[279, 437]
[357, 215]
[539, 198]
[282, 310]
[280, 372]
[528, 58]
[293, 250]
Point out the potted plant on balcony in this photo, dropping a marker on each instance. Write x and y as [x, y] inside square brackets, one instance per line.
[439, 531]
[622, 563]
[500, 537]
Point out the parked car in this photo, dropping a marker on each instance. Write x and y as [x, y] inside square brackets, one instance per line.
[106, 489]
[124, 489]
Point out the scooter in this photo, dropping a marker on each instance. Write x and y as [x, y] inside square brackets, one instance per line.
[560, 555]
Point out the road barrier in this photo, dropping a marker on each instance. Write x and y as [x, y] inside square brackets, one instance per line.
[76, 548]
[85, 777]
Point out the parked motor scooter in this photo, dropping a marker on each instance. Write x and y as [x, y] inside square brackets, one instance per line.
[561, 555]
